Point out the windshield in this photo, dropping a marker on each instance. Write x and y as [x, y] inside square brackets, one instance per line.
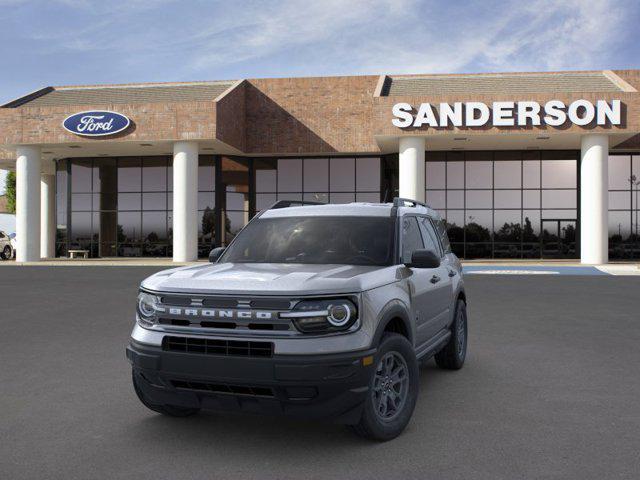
[332, 240]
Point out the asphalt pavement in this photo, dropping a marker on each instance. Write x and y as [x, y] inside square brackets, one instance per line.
[551, 390]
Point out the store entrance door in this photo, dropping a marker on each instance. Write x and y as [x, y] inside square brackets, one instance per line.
[558, 238]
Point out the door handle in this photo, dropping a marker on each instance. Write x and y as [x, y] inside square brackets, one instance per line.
[452, 273]
[435, 279]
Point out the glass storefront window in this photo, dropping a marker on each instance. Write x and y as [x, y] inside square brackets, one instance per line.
[624, 198]
[493, 201]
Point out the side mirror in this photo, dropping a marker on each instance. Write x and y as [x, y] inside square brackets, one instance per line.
[424, 259]
[215, 254]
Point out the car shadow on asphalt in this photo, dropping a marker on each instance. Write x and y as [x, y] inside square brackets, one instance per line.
[243, 431]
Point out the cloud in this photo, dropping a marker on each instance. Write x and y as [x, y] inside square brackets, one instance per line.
[147, 40]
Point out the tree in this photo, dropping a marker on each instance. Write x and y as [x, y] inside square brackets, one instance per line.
[208, 222]
[10, 188]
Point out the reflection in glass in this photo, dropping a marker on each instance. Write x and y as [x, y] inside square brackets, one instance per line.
[154, 174]
[80, 230]
[129, 201]
[342, 175]
[559, 199]
[531, 198]
[367, 175]
[455, 174]
[289, 175]
[478, 198]
[154, 227]
[266, 175]
[129, 174]
[206, 173]
[316, 174]
[154, 201]
[435, 173]
[129, 227]
[81, 175]
[81, 202]
[316, 197]
[507, 199]
[531, 174]
[559, 173]
[436, 199]
[455, 198]
[264, 200]
[371, 197]
[619, 172]
[507, 174]
[342, 197]
[478, 174]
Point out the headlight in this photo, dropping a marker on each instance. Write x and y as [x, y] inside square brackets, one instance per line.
[323, 316]
[147, 308]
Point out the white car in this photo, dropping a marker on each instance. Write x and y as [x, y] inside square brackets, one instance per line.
[6, 246]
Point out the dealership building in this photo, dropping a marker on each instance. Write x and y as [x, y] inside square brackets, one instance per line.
[521, 165]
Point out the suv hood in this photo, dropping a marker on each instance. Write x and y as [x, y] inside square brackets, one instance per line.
[271, 279]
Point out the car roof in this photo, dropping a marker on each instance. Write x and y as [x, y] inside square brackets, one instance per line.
[355, 209]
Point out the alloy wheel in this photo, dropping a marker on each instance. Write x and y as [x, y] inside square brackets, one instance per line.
[391, 386]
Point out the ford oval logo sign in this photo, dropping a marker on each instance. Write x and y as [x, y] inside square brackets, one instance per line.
[96, 123]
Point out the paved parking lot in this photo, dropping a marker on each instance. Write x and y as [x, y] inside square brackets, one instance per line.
[551, 390]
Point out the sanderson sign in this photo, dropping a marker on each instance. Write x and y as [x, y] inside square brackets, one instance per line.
[507, 114]
[96, 123]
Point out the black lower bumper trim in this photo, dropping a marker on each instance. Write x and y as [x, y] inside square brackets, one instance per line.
[308, 386]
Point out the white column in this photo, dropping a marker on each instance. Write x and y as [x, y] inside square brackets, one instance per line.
[411, 165]
[185, 201]
[594, 199]
[48, 211]
[28, 204]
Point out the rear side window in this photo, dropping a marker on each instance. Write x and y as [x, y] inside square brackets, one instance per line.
[429, 236]
[441, 230]
[411, 238]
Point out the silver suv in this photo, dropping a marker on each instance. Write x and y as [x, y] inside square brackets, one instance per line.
[315, 311]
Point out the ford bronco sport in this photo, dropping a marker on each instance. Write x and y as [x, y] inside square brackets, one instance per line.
[315, 311]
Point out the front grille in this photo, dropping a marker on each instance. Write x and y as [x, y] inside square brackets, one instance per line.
[208, 346]
[257, 314]
[223, 388]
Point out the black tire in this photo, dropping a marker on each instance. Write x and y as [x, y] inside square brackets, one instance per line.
[383, 426]
[169, 410]
[452, 356]
[6, 253]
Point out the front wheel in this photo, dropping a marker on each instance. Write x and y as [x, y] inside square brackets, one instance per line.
[393, 390]
[169, 410]
[6, 252]
[452, 356]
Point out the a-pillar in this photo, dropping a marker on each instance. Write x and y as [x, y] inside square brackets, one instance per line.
[185, 201]
[411, 168]
[594, 199]
[28, 203]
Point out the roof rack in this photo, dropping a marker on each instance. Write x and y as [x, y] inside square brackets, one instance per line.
[289, 203]
[400, 202]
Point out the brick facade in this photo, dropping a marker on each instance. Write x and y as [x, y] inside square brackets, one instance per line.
[291, 116]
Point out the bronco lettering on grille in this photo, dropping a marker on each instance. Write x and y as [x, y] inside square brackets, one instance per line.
[217, 313]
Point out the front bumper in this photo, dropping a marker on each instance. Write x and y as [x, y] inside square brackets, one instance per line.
[307, 386]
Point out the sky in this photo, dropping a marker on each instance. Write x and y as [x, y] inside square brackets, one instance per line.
[71, 42]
